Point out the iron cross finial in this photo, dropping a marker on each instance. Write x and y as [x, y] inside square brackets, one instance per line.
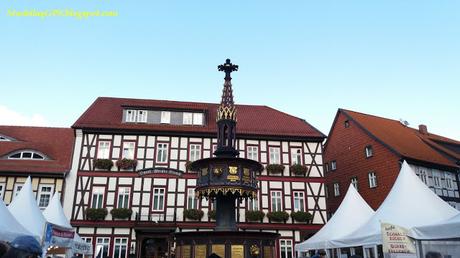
[228, 68]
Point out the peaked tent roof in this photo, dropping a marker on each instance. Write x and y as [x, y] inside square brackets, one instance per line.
[25, 208]
[54, 213]
[352, 213]
[106, 114]
[401, 208]
[9, 226]
[408, 142]
[447, 229]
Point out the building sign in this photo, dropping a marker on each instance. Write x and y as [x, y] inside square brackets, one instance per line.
[58, 236]
[395, 241]
[160, 170]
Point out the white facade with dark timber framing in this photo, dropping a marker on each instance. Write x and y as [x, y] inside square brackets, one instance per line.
[170, 134]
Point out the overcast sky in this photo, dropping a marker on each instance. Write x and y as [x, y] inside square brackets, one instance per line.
[397, 59]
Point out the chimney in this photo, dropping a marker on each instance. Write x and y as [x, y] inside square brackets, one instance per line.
[423, 129]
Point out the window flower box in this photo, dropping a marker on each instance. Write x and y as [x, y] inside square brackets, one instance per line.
[302, 216]
[255, 215]
[96, 213]
[212, 214]
[275, 168]
[126, 163]
[193, 214]
[278, 216]
[121, 213]
[105, 164]
[299, 170]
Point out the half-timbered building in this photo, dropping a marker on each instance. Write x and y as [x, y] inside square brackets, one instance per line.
[132, 154]
[43, 153]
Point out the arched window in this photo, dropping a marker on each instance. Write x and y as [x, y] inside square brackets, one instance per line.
[27, 154]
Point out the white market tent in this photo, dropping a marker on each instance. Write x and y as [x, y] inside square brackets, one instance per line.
[410, 203]
[25, 209]
[9, 226]
[352, 213]
[448, 229]
[54, 214]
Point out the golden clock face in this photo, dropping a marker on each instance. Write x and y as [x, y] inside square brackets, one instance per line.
[217, 171]
[233, 170]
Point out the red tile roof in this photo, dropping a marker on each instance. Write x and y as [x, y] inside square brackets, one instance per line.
[407, 142]
[106, 113]
[55, 143]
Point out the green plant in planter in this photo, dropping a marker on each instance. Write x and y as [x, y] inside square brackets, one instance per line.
[121, 213]
[193, 214]
[301, 216]
[96, 213]
[187, 165]
[106, 164]
[255, 215]
[278, 216]
[126, 163]
[275, 168]
[212, 214]
[298, 169]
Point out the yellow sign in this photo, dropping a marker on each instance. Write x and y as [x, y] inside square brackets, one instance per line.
[200, 251]
[217, 171]
[219, 250]
[237, 251]
[233, 178]
[186, 251]
[233, 170]
[246, 171]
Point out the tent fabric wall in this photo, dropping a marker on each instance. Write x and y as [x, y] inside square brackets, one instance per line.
[352, 213]
[9, 226]
[410, 203]
[25, 209]
[448, 229]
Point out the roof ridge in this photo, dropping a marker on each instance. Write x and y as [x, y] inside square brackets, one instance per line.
[36, 127]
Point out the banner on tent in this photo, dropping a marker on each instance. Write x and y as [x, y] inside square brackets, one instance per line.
[395, 241]
[58, 236]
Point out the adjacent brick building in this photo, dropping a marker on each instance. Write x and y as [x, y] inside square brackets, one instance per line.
[367, 151]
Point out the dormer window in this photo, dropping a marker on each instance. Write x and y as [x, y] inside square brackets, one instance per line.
[165, 117]
[131, 115]
[192, 118]
[142, 116]
[27, 155]
[187, 119]
[4, 138]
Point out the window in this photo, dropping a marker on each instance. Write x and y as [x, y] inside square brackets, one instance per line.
[197, 118]
[102, 247]
[326, 191]
[192, 201]
[158, 199]
[165, 117]
[17, 189]
[436, 180]
[299, 201]
[372, 180]
[195, 152]
[45, 193]
[123, 197]
[369, 151]
[187, 118]
[274, 155]
[26, 155]
[354, 182]
[346, 124]
[253, 152]
[277, 204]
[128, 150]
[162, 152]
[214, 148]
[449, 182]
[296, 157]
[5, 138]
[97, 200]
[142, 116]
[422, 175]
[88, 240]
[2, 190]
[336, 189]
[131, 115]
[285, 248]
[333, 165]
[120, 248]
[103, 150]
[253, 204]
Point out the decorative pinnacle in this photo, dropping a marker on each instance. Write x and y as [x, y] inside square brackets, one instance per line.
[227, 93]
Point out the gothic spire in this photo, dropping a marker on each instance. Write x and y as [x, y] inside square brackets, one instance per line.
[227, 109]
